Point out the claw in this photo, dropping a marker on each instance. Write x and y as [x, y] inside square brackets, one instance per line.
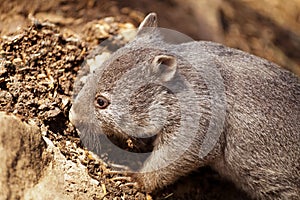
[133, 184]
[113, 172]
[121, 167]
[121, 178]
[130, 184]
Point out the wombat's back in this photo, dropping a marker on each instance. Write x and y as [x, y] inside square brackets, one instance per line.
[262, 130]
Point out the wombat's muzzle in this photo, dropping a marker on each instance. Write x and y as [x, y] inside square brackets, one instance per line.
[72, 116]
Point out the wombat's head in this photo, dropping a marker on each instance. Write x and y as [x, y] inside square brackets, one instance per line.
[131, 95]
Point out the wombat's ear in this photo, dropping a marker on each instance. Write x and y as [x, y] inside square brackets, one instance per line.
[149, 21]
[165, 66]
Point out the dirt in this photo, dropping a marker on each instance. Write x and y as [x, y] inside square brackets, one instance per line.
[43, 46]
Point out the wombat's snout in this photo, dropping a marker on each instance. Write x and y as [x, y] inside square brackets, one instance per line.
[72, 117]
[77, 118]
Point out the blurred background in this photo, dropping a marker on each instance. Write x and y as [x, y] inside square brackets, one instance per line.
[267, 28]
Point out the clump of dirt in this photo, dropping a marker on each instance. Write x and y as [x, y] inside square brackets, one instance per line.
[38, 70]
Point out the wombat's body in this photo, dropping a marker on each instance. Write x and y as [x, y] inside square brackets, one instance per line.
[259, 141]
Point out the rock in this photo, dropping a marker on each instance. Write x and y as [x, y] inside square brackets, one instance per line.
[21, 157]
[33, 168]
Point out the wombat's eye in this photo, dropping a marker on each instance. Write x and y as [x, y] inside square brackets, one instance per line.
[101, 102]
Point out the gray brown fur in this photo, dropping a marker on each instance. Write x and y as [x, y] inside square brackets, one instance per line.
[259, 148]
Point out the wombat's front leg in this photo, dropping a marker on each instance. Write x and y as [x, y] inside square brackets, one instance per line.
[160, 170]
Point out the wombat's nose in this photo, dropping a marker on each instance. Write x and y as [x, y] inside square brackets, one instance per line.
[72, 115]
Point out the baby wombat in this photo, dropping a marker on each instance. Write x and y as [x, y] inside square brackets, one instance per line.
[204, 104]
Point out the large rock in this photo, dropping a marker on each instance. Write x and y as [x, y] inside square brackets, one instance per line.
[32, 167]
[22, 162]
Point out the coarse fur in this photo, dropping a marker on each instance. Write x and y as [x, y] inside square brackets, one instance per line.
[259, 145]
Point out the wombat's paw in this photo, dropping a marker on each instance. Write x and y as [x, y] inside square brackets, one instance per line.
[123, 178]
[145, 182]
